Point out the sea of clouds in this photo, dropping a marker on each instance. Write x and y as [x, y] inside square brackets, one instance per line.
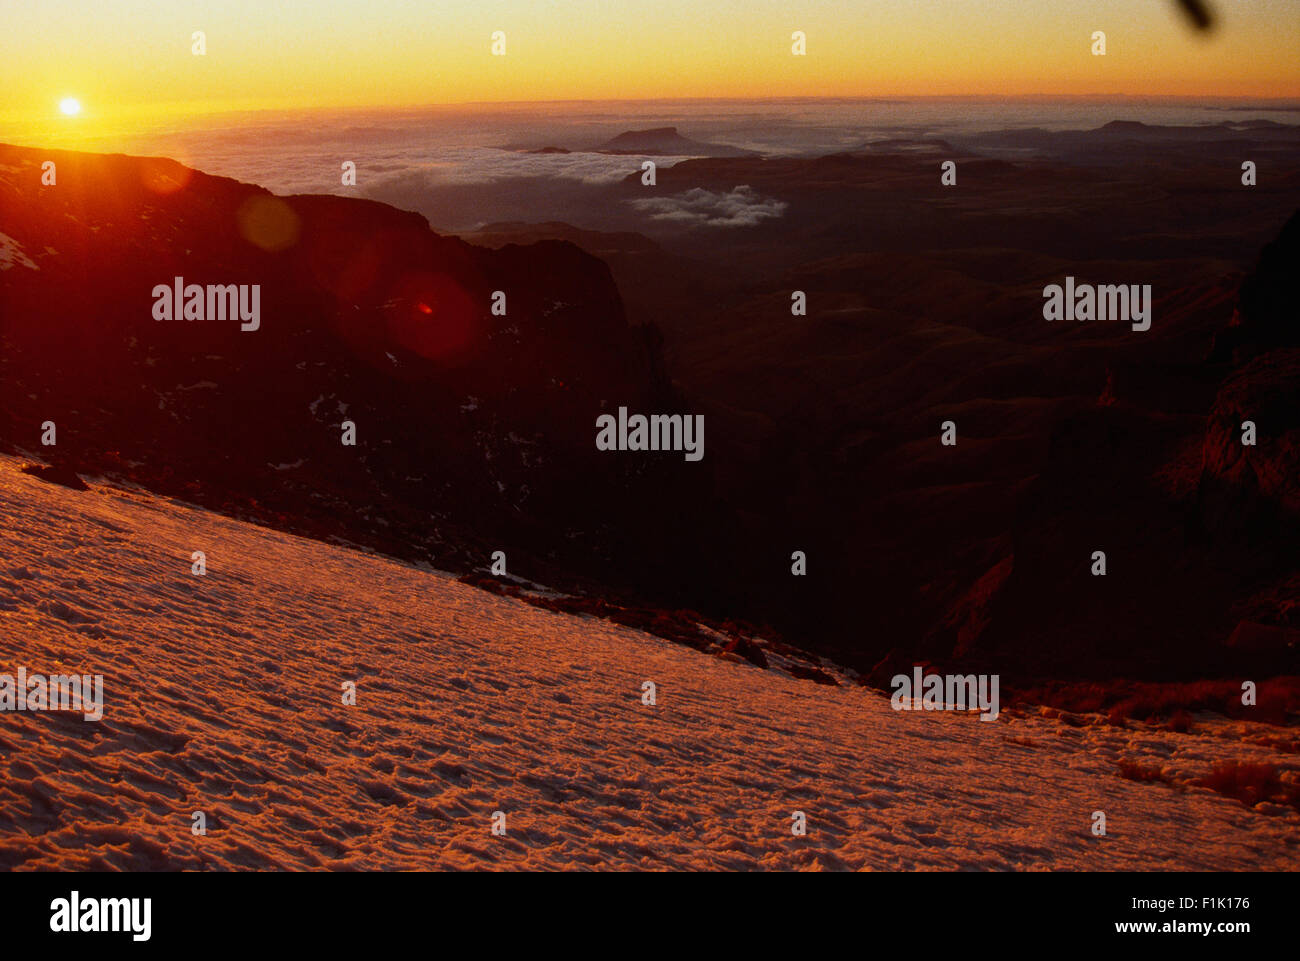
[469, 165]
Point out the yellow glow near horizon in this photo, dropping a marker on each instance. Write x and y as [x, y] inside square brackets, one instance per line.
[135, 59]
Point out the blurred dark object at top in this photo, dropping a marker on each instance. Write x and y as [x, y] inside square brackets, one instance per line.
[1199, 12]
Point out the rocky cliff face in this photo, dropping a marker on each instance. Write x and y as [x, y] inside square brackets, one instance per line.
[1249, 493]
[474, 430]
[1197, 510]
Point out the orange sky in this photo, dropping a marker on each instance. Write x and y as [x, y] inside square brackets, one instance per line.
[131, 59]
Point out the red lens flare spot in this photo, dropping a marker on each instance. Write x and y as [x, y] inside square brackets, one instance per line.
[433, 315]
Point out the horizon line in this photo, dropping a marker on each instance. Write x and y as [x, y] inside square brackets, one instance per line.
[169, 109]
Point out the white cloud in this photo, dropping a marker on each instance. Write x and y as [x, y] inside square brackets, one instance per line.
[741, 207]
[316, 170]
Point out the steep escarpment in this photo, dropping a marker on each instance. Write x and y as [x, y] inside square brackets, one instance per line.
[1188, 484]
[474, 426]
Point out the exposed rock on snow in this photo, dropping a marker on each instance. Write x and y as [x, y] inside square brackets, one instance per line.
[11, 253]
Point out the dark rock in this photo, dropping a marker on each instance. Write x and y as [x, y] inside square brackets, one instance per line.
[810, 673]
[744, 647]
[1236, 476]
[57, 474]
[1251, 638]
[1265, 317]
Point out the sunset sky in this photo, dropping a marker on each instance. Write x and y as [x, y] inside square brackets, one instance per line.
[132, 58]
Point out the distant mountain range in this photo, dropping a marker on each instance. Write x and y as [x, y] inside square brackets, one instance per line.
[666, 140]
[659, 141]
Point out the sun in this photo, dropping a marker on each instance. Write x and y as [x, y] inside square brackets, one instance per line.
[70, 106]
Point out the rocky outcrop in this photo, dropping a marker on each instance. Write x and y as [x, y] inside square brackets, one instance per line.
[1259, 403]
[1266, 316]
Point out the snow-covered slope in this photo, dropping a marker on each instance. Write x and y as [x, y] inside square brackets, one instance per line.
[223, 695]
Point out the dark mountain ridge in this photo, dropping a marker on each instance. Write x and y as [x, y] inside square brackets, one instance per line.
[667, 140]
[474, 432]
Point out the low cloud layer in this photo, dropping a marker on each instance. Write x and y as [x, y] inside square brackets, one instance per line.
[477, 165]
[313, 166]
[741, 207]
